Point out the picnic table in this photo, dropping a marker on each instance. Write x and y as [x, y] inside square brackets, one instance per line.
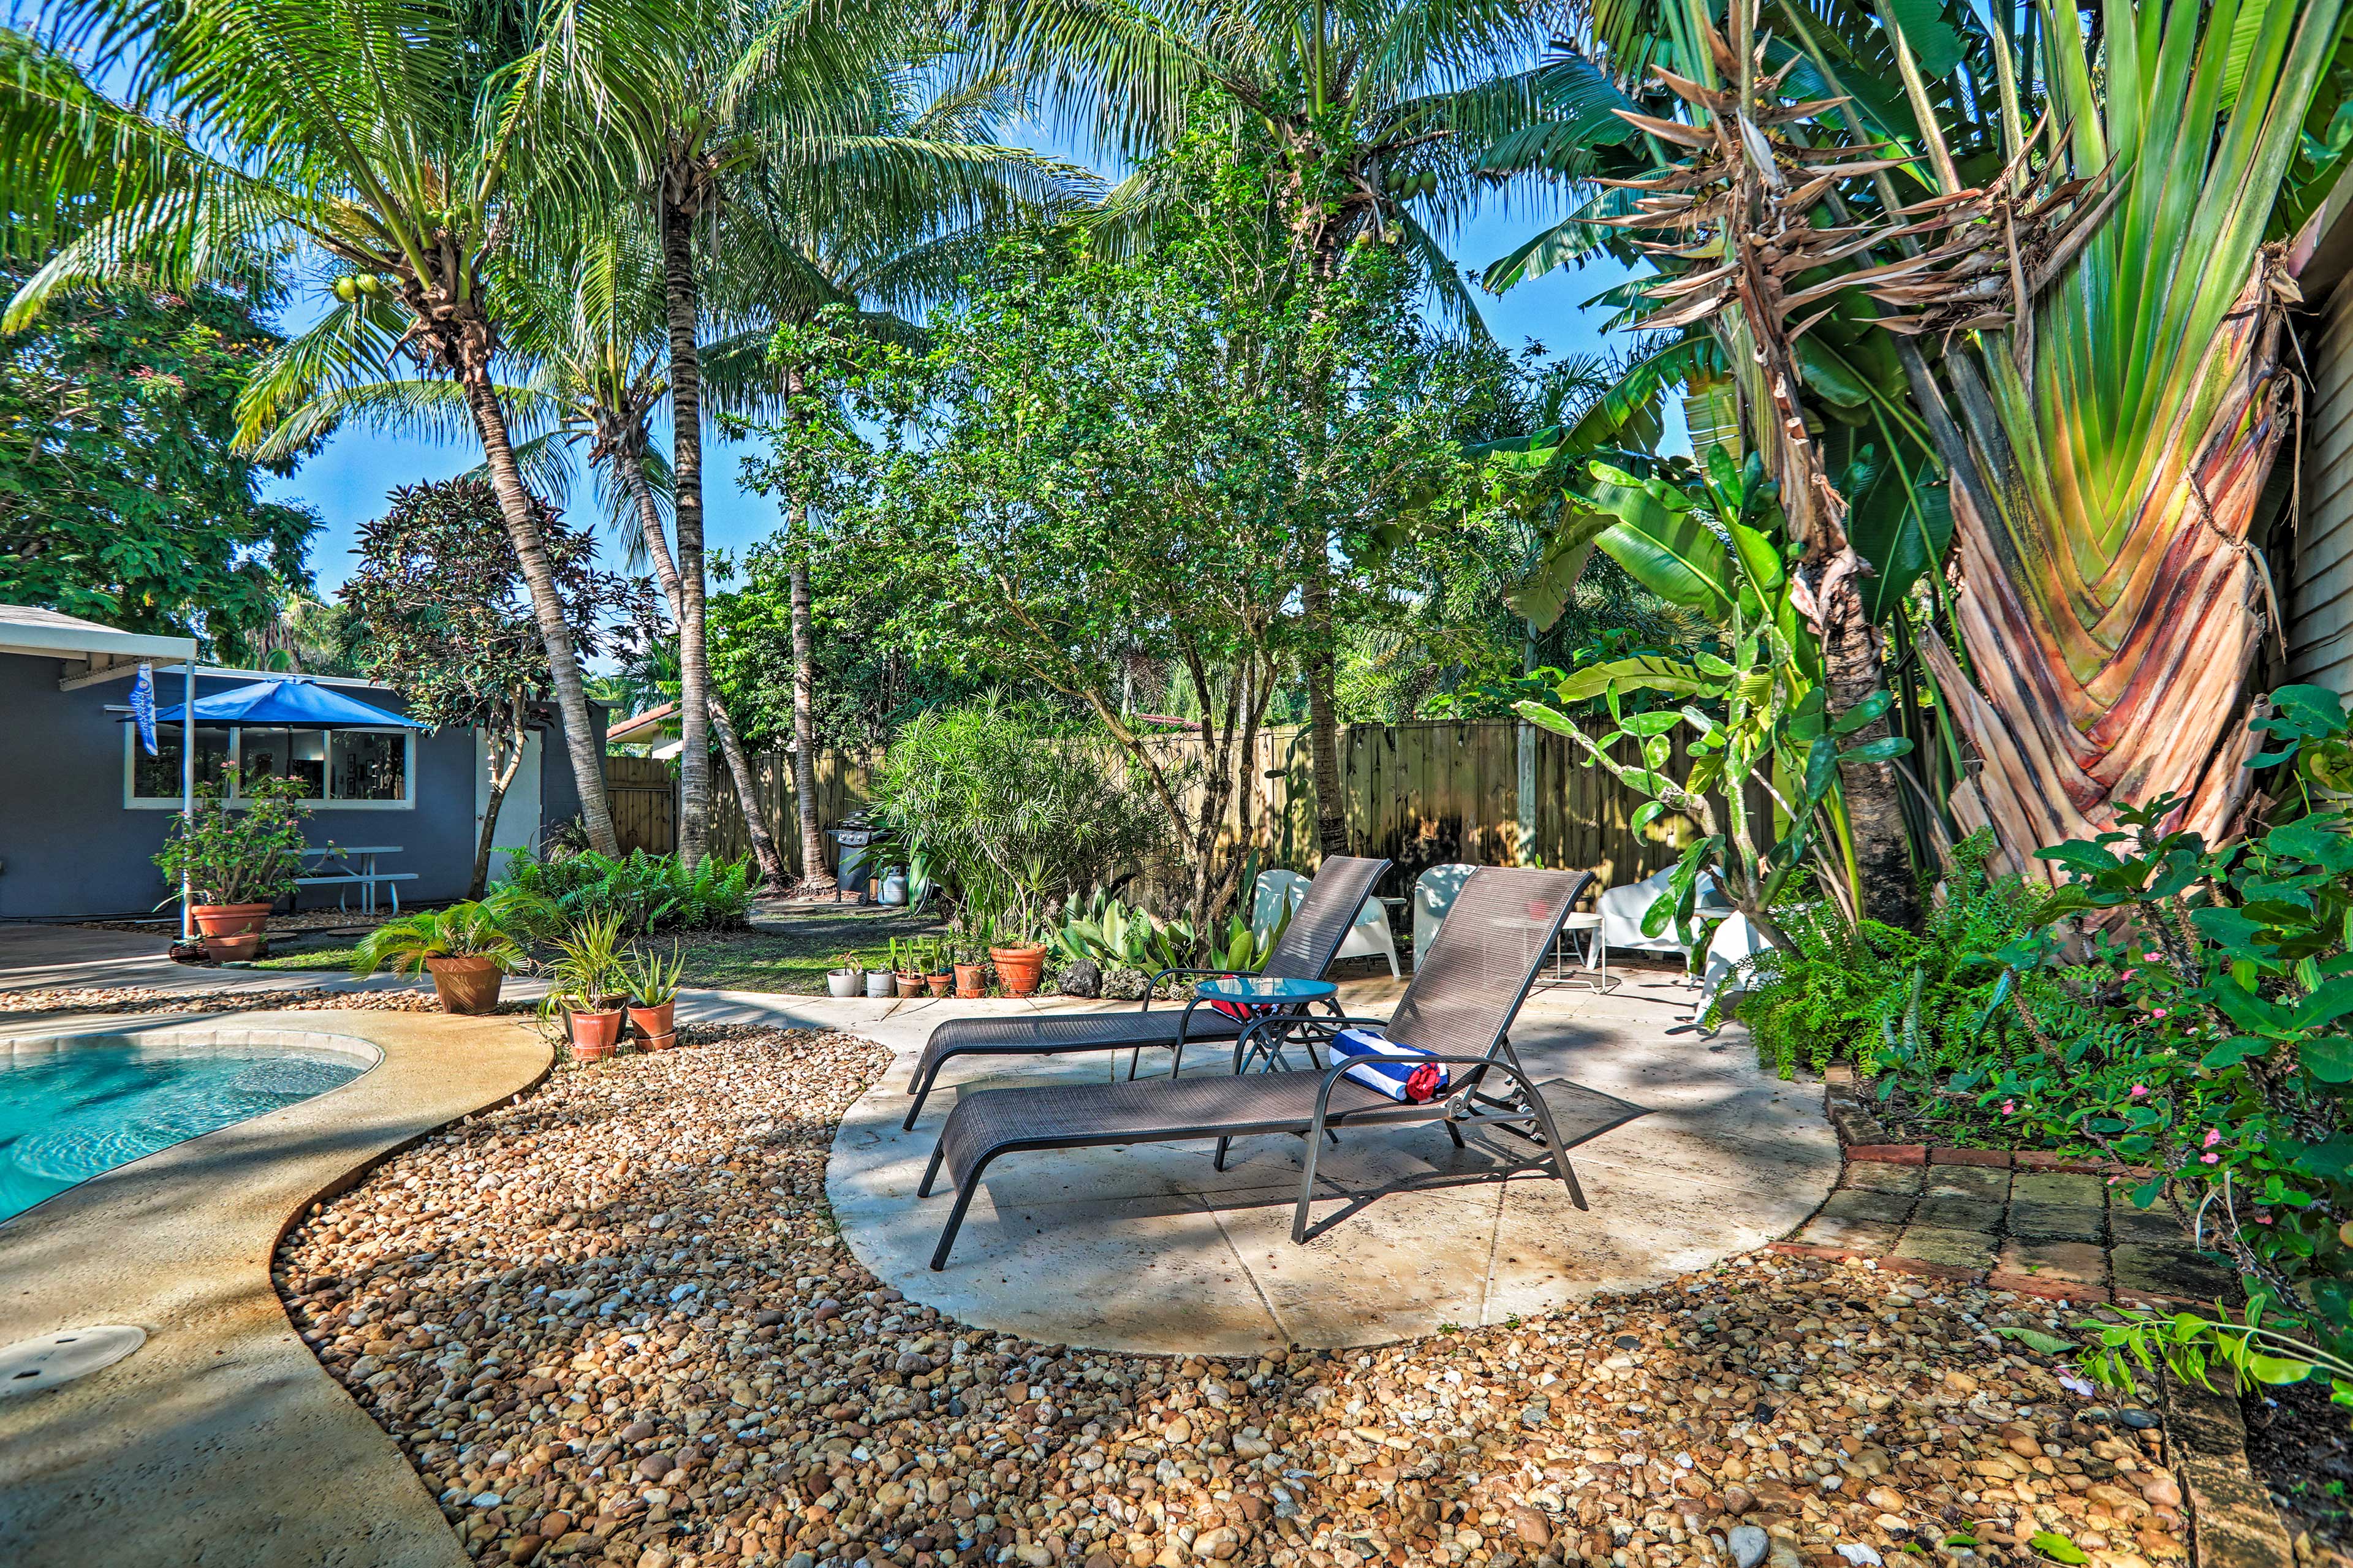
[359, 871]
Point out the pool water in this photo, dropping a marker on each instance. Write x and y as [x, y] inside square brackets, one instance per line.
[69, 1114]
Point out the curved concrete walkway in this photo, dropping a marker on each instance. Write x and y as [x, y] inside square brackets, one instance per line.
[223, 1439]
[1147, 1248]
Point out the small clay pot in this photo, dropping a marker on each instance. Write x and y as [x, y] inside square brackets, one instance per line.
[595, 1032]
[647, 1022]
[940, 984]
[910, 984]
[972, 980]
[468, 985]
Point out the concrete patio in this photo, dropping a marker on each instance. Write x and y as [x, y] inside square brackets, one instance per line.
[1148, 1248]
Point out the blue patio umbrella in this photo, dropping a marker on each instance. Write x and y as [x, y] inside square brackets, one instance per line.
[289, 704]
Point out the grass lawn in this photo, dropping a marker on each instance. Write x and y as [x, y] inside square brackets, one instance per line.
[337, 957]
[791, 952]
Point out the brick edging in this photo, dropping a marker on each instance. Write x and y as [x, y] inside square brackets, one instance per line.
[2232, 1521]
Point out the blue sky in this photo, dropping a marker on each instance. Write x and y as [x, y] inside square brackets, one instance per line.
[347, 480]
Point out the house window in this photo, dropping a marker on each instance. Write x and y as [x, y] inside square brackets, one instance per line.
[353, 769]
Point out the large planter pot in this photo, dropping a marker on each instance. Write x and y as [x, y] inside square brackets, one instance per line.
[972, 980]
[595, 1032]
[229, 919]
[468, 985]
[909, 983]
[880, 985]
[1019, 967]
[651, 1024]
[233, 949]
[845, 982]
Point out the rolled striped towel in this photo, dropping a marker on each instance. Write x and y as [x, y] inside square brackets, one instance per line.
[1396, 1071]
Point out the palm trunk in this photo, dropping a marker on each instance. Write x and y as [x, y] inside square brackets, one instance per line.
[502, 776]
[1853, 673]
[815, 878]
[693, 657]
[772, 872]
[1323, 725]
[563, 660]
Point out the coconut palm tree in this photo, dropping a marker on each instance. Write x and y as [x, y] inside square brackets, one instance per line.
[822, 230]
[1383, 112]
[383, 140]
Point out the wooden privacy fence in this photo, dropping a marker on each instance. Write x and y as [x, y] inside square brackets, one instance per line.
[1431, 792]
[644, 796]
[1421, 793]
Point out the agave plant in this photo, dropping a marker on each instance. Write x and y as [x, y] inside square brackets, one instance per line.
[2112, 604]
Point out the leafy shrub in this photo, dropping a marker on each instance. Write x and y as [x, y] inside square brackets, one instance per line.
[1013, 813]
[644, 892]
[1875, 996]
[247, 856]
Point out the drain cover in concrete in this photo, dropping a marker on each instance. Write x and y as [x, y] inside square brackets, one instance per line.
[29, 1367]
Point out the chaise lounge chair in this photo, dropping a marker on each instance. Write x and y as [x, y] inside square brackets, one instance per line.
[1465, 993]
[1305, 951]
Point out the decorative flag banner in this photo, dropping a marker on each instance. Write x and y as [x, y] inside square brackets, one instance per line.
[143, 706]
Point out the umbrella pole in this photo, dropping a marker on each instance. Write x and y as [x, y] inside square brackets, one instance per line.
[187, 784]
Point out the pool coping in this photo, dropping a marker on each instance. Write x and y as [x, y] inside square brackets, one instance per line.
[224, 1439]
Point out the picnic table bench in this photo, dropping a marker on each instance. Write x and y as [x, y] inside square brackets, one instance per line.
[365, 876]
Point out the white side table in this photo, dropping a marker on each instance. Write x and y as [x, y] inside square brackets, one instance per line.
[1596, 955]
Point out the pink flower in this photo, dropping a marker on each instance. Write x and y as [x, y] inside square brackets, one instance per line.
[2010, 1108]
[2213, 1136]
[2157, 1012]
[2140, 1091]
[2152, 958]
[2211, 1159]
[2262, 1218]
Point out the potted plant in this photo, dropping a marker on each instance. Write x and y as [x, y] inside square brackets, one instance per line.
[939, 978]
[906, 968]
[653, 998]
[848, 975]
[881, 985]
[971, 967]
[590, 986]
[467, 949]
[232, 865]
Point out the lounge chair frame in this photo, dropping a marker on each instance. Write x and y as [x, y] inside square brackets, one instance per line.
[1306, 945]
[1245, 1108]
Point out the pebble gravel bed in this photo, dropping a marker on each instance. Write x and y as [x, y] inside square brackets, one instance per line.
[613, 1322]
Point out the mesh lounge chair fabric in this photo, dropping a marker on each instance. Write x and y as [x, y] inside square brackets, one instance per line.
[1460, 1008]
[1305, 951]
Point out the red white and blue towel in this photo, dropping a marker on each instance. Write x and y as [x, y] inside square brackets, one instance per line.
[1396, 1071]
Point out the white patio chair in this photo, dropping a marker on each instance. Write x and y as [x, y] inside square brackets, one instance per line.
[1434, 892]
[1368, 938]
[1623, 910]
[1732, 941]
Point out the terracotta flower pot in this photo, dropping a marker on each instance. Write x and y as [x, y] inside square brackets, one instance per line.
[468, 985]
[940, 984]
[237, 948]
[647, 1023]
[596, 1033]
[910, 984]
[1019, 967]
[971, 979]
[229, 919]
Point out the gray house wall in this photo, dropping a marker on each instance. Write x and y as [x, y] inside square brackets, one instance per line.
[70, 848]
[2320, 593]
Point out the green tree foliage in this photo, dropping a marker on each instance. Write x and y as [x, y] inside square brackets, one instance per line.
[450, 623]
[122, 496]
[869, 680]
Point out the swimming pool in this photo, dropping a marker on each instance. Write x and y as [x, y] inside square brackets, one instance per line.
[75, 1107]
